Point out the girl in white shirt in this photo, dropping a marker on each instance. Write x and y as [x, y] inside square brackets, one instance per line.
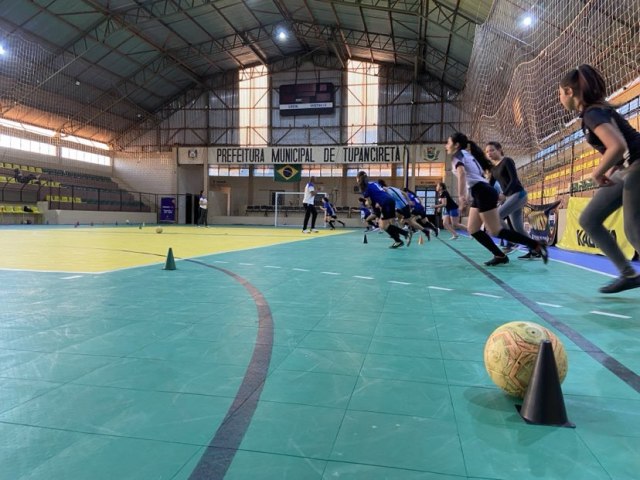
[469, 165]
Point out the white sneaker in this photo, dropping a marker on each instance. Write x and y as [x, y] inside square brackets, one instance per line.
[306, 231]
[313, 230]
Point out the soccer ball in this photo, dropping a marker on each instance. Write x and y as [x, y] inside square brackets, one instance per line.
[159, 230]
[127, 221]
[511, 351]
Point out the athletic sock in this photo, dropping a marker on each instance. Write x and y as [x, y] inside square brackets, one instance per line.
[395, 232]
[515, 237]
[485, 240]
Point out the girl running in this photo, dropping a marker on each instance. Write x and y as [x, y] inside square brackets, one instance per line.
[583, 90]
[387, 205]
[450, 212]
[330, 215]
[469, 165]
[513, 196]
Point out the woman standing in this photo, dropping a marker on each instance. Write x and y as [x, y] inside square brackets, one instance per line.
[469, 164]
[583, 90]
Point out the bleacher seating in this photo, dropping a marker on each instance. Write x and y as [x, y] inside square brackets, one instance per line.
[16, 213]
[67, 190]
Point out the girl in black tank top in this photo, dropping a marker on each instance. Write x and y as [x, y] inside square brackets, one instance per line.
[618, 173]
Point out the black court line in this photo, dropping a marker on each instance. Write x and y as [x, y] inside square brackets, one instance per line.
[219, 454]
[624, 373]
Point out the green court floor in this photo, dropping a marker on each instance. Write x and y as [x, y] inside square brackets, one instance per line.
[302, 357]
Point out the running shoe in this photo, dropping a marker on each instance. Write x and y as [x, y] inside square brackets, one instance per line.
[621, 284]
[397, 244]
[542, 251]
[497, 261]
[530, 256]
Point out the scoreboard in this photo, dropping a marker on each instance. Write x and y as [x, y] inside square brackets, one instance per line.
[307, 99]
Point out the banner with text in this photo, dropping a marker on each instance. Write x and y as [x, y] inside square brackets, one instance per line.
[575, 238]
[167, 210]
[323, 155]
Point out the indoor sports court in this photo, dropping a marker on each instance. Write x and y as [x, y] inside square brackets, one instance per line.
[319, 240]
[265, 354]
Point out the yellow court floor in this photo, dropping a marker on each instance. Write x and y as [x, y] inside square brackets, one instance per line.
[102, 249]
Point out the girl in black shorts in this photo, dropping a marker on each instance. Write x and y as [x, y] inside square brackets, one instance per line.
[469, 164]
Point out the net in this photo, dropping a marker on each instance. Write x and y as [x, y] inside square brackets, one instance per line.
[511, 92]
[289, 211]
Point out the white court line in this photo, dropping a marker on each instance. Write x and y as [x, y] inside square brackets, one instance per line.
[440, 288]
[363, 278]
[584, 268]
[399, 283]
[485, 295]
[247, 264]
[271, 266]
[606, 314]
[549, 305]
[220, 261]
[72, 277]
[331, 273]
[300, 269]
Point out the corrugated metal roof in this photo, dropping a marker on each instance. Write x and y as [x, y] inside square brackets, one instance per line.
[138, 55]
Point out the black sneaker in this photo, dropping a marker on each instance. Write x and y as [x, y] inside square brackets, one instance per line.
[397, 244]
[621, 284]
[497, 261]
[542, 252]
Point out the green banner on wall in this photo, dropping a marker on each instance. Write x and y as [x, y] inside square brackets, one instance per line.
[287, 173]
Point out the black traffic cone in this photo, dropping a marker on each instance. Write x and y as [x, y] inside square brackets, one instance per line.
[543, 401]
[171, 263]
[365, 239]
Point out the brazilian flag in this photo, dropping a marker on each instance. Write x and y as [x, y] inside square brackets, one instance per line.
[287, 173]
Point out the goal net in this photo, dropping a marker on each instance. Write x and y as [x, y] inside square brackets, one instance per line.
[523, 50]
[289, 211]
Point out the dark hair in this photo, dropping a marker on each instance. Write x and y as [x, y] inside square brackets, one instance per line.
[363, 180]
[443, 186]
[587, 84]
[466, 144]
[497, 146]
[382, 183]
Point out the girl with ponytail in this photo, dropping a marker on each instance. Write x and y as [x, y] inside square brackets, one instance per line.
[583, 90]
[469, 165]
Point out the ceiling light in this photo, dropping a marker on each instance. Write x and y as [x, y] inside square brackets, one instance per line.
[2, 50]
[282, 34]
[526, 21]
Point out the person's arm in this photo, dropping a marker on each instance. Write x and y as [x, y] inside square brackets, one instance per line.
[462, 185]
[512, 173]
[615, 144]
